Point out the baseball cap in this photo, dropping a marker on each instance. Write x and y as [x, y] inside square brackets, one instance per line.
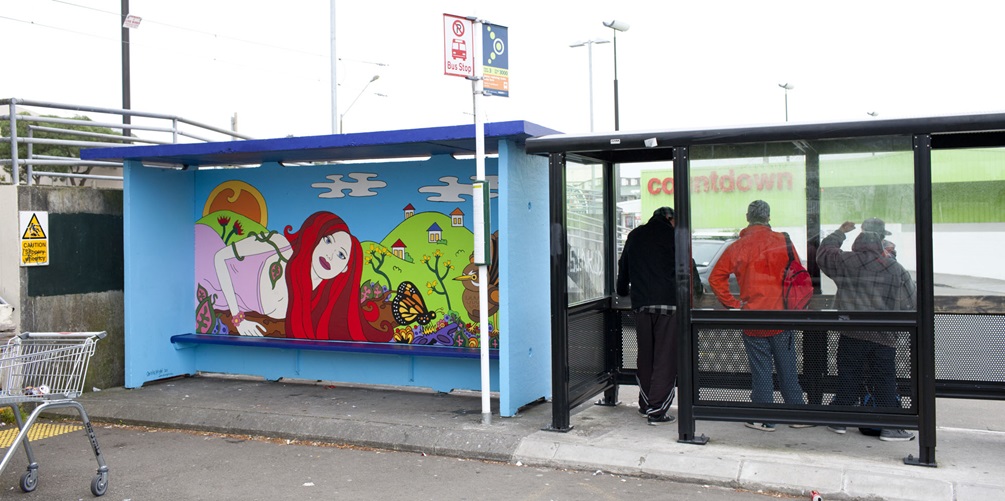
[875, 225]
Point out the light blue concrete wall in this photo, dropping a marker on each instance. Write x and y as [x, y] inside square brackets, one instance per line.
[158, 258]
[525, 286]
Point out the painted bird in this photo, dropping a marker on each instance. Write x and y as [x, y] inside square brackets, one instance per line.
[472, 286]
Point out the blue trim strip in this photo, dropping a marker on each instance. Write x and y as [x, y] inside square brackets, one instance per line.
[386, 144]
[343, 346]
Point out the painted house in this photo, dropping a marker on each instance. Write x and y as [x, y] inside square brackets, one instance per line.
[391, 318]
[398, 249]
[434, 233]
[457, 217]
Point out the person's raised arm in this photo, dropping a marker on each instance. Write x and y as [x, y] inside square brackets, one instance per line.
[829, 252]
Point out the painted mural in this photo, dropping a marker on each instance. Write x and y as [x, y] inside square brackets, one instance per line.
[331, 273]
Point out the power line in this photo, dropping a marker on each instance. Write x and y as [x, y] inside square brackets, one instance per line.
[201, 32]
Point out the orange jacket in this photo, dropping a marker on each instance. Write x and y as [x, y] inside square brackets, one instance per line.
[758, 259]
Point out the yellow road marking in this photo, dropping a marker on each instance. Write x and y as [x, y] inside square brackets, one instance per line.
[38, 431]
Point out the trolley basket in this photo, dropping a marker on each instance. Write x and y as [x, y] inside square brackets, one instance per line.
[47, 370]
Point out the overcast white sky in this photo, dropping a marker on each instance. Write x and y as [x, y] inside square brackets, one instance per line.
[681, 65]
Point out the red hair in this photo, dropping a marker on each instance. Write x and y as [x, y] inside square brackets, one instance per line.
[332, 311]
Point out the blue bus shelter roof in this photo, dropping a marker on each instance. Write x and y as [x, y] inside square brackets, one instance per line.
[456, 139]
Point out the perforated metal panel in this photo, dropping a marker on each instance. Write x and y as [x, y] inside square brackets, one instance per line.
[629, 343]
[723, 373]
[970, 348]
[586, 347]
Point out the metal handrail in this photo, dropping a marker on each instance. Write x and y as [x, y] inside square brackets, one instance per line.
[101, 139]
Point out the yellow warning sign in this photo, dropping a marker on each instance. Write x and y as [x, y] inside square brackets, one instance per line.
[34, 226]
[34, 231]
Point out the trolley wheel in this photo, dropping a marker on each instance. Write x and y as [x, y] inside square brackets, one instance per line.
[99, 484]
[29, 481]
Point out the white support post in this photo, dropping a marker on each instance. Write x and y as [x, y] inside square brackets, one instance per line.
[483, 286]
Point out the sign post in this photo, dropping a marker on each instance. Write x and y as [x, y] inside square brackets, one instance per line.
[462, 40]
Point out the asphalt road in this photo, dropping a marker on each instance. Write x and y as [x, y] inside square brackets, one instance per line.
[148, 464]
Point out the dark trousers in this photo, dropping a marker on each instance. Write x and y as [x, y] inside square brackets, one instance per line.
[861, 361]
[657, 361]
[814, 365]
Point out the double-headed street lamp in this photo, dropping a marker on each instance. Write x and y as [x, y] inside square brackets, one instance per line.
[589, 46]
[616, 26]
[340, 117]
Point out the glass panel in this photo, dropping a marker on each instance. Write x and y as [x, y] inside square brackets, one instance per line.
[968, 232]
[585, 224]
[858, 179]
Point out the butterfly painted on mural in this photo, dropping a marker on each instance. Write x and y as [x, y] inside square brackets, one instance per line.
[408, 306]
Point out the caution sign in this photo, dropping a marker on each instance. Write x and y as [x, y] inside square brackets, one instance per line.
[34, 238]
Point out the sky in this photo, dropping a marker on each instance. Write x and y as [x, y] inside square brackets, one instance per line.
[680, 65]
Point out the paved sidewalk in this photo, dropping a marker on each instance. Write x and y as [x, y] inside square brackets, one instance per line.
[970, 450]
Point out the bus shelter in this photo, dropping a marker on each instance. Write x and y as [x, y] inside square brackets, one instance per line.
[343, 258]
[938, 184]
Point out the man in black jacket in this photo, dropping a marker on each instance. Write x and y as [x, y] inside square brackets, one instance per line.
[646, 270]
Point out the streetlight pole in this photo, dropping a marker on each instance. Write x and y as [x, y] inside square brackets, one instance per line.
[616, 26]
[589, 46]
[340, 117]
[126, 89]
[787, 87]
[334, 81]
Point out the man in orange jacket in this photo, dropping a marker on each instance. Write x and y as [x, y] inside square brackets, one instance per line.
[758, 259]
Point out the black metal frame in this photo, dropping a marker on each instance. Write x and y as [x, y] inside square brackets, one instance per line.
[937, 132]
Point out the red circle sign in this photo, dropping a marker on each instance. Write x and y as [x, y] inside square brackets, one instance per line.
[458, 28]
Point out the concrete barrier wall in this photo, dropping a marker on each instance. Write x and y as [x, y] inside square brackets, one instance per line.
[81, 288]
[10, 277]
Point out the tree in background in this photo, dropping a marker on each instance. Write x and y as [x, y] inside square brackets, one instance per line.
[52, 150]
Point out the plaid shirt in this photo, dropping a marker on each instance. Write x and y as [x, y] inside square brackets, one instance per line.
[657, 309]
[866, 279]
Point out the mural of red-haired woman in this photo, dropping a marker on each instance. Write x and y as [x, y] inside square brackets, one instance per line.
[323, 279]
[312, 275]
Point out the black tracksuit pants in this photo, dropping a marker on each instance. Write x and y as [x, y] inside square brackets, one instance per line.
[657, 361]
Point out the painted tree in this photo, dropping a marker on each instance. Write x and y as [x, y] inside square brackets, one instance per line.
[438, 286]
[376, 256]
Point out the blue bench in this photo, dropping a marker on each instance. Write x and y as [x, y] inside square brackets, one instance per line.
[340, 346]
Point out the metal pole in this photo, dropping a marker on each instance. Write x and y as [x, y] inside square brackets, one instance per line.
[589, 47]
[334, 59]
[478, 86]
[31, 153]
[786, 105]
[126, 119]
[617, 121]
[13, 142]
[926, 303]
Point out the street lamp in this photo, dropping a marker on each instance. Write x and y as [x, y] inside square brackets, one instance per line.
[589, 46]
[787, 87]
[616, 26]
[872, 113]
[340, 117]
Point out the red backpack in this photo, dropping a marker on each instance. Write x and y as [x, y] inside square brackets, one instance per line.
[797, 285]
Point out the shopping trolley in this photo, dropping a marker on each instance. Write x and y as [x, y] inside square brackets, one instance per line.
[47, 369]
